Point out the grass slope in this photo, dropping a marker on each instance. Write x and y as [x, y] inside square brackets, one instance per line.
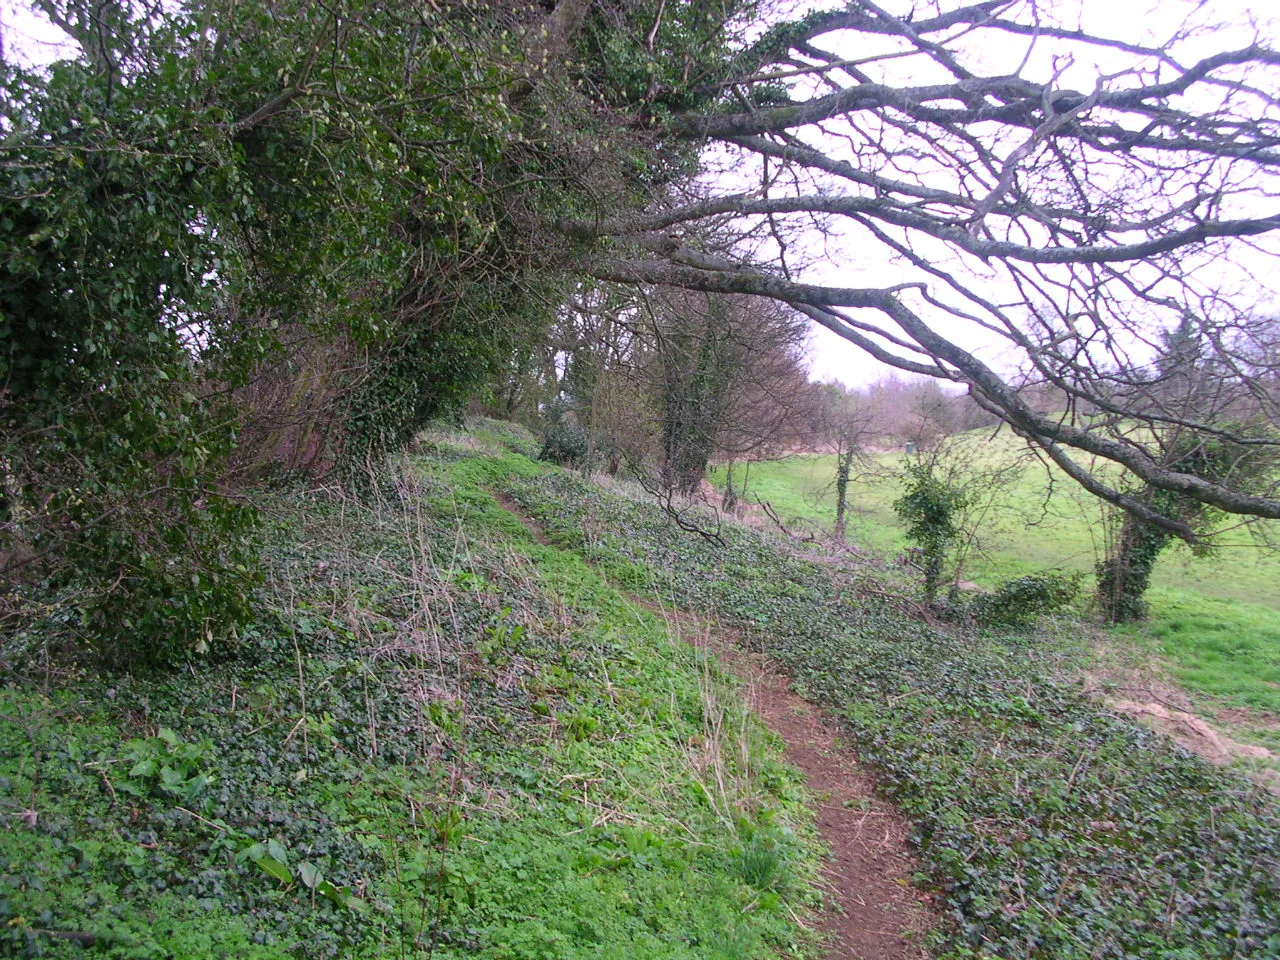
[1053, 829]
[1215, 622]
[440, 738]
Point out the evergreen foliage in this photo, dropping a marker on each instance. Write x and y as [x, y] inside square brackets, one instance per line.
[1185, 384]
[364, 780]
[1021, 601]
[930, 507]
[248, 239]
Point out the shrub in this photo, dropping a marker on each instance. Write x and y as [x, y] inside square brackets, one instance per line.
[565, 443]
[930, 507]
[1021, 601]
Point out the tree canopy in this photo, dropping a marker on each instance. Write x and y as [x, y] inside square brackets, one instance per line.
[1067, 212]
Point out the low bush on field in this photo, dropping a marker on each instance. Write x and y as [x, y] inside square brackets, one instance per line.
[1023, 600]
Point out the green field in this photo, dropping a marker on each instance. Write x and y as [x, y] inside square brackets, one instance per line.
[1215, 621]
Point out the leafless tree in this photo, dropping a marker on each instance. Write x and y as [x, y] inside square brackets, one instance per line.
[1057, 215]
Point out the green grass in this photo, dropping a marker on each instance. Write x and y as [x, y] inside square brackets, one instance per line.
[1214, 622]
[1050, 829]
[1032, 529]
[439, 738]
[443, 738]
[1019, 538]
[1229, 651]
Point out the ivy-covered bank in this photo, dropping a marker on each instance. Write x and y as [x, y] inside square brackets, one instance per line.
[440, 737]
[1053, 829]
[436, 738]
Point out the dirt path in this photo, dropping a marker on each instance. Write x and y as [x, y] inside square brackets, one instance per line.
[872, 911]
[513, 508]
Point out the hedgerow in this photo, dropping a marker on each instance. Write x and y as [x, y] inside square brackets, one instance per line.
[225, 257]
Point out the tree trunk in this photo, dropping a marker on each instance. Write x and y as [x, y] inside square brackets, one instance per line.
[1124, 576]
[730, 502]
[844, 465]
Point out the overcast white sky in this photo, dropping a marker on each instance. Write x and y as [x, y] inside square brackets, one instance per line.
[29, 38]
[1238, 23]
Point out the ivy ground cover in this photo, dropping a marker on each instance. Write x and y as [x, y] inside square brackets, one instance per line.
[1052, 829]
[437, 739]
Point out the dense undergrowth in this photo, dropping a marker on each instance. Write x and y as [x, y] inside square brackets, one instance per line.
[437, 738]
[441, 737]
[1053, 829]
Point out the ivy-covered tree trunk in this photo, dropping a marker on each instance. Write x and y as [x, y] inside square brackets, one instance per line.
[844, 466]
[931, 507]
[1124, 576]
[1186, 383]
[697, 372]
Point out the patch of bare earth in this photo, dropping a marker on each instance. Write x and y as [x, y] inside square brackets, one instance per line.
[513, 508]
[1164, 707]
[1248, 717]
[871, 910]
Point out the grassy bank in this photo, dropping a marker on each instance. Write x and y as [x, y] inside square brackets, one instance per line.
[1214, 621]
[440, 738]
[1053, 829]
[443, 737]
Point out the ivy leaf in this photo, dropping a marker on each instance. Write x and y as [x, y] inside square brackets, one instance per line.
[341, 897]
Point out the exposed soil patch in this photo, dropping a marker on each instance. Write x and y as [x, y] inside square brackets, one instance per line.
[1247, 716]
[872, 911]
[1192, 732]
[1141, 683]
[1167, 709]
[517, 511]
